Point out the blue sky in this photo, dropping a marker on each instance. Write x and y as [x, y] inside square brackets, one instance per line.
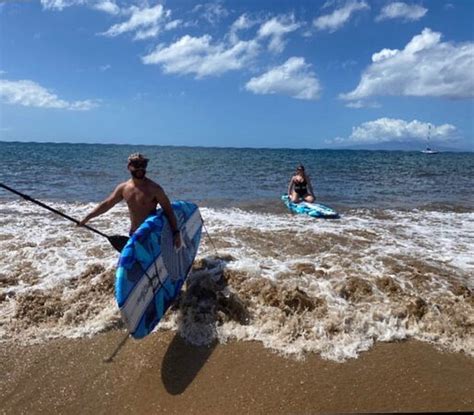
[238, 73]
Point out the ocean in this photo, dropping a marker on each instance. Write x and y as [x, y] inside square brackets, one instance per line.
[398, 264]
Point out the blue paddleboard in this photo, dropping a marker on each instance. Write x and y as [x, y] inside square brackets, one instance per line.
[315, 210]
[151, 271]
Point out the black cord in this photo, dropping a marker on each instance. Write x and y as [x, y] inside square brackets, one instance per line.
[209, 236]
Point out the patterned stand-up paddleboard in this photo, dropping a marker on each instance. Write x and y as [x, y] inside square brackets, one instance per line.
[151, 271]
[316, 210]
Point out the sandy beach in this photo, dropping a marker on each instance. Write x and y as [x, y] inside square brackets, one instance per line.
[163, 374]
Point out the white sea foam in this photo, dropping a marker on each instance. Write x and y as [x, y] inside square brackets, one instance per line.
[296, 284]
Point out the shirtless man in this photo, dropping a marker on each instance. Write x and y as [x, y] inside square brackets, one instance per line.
[142, 196]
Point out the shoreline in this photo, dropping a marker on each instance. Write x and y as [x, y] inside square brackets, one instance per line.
[163, 374]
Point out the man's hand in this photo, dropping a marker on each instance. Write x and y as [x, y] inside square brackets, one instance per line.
[82, 222]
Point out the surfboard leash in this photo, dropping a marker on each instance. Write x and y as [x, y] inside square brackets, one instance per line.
[117, 349]
[128, 335]
[209, 236]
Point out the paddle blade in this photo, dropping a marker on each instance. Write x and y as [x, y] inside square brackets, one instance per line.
[118, 241]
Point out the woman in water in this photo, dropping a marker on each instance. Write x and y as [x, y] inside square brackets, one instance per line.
[300, 188]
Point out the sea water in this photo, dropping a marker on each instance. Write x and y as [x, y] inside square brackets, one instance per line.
[398, 264]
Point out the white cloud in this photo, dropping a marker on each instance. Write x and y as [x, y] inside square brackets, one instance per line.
[384, 54]
[174, 24]
[362, 104]
[242, 23]
[328, 3]
[385, 130]
[400, 10]
[145, 22]
[30, 94]
[212, 12]
[275, 29]
[425, 67]
[294, 78]
[60, 4]
[200, 57]
[337, 19]
[107, 6]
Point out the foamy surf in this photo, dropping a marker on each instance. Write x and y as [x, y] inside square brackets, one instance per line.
[296, 284]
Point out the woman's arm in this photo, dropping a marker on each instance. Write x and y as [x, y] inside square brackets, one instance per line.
[290, 185]
[309, 186]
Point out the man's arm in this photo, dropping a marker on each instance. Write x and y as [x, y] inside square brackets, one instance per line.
[165, 204]
[115, 197]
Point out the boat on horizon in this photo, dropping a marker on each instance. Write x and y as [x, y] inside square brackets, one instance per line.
[429, 150]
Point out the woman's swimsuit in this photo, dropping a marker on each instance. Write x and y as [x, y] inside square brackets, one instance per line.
[301, 188]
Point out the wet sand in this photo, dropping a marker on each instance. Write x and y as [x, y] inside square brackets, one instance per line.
[163, 374]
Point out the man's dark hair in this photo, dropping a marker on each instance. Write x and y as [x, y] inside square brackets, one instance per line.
[137, 157]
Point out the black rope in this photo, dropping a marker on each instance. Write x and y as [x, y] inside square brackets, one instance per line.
[117, 349]
[210, 239]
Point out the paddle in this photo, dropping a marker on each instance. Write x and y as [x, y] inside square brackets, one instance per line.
[117, 241]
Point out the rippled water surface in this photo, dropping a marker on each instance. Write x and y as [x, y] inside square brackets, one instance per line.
[244, 177]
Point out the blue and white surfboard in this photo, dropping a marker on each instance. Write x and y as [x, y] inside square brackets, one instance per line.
[151, 271]
[315, 210]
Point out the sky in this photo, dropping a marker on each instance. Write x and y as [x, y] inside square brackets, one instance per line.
[242, 73]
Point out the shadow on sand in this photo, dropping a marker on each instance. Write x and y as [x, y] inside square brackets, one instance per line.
[182, 362]
[206, 303]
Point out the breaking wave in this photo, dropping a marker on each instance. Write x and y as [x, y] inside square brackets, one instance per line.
[296, 284]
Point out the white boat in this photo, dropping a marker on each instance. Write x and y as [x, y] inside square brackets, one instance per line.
[428, 150]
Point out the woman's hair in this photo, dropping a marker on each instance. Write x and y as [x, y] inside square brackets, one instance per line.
[300, 167]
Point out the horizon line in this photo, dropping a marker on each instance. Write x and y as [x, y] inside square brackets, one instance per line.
[446, 150]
